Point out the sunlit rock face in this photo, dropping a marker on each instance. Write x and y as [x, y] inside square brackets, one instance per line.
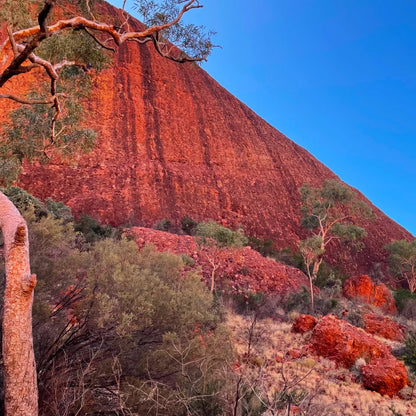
[364, 290]
[173, 143]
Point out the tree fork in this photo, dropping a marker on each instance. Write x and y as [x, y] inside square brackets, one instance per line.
[21, 393]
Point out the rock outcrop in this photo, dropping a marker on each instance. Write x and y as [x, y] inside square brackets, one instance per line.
[384, 327]
[304, 323]
[345, 344]
[173, 143]
[364, 290]
[244, 269]
[386, 376]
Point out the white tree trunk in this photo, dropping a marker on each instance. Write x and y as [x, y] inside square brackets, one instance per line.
[20, 381]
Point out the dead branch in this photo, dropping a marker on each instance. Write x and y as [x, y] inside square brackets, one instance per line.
[87, 2]
[12, 41]
[102, 44]
[22, 100]
[79, 22]
[40, 35]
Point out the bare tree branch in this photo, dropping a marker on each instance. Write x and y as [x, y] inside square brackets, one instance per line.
[12, 41]
[22, 100]
[87, 2]
[102, 44]
[40, 35]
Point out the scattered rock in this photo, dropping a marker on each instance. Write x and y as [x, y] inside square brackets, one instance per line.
[384, 327]
[364, 290]
[304, 323]
[294, 354]
[387, 376]
[344, 343]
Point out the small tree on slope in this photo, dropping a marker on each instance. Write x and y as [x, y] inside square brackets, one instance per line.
[328, 212]
[33, 47]
[403, 261]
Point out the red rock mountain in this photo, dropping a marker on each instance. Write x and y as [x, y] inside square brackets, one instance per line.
[174, 143]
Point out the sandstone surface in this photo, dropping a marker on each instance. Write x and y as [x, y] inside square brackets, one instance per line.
[384, 327]
[304, 323]
[386, 376]
[173, 143]
[364, 290]
[344, 343]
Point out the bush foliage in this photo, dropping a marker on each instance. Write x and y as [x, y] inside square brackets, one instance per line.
[113, 324]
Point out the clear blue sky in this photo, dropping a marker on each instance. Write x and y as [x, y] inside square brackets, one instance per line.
[336, 76]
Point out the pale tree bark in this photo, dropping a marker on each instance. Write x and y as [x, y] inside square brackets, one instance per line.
[20, 382]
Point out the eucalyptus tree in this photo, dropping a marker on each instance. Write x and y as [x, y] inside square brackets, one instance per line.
[328, 213]
[402, 260]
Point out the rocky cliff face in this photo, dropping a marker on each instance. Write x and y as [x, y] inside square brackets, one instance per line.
[174, 143]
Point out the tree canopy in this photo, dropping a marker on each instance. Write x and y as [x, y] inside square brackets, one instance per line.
[328, 213]
[402, 260]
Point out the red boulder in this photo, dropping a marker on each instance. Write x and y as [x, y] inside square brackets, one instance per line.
[303, 323]
[344, 343]
[385, 375]
[364, 290]
[384, 327]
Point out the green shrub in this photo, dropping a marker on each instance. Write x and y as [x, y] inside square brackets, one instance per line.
[24, 201]
[59, 210]
[403, 297]
[325, 306]
[248, 302]
[299, 301]
[330, 278]
[188, 225]
[289, 257]
[163, 225]
[92, 230]
[264, 247]
[355, 318]
[410, 352]
[222, 235]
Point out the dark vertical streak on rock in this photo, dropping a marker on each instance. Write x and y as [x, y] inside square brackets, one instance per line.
[287, 178]
[154, 145]
[203, 137]
[226, 107]
[127, 136]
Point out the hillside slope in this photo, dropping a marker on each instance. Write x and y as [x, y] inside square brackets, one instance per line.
[174, 143]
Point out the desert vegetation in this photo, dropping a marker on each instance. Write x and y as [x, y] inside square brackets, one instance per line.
[123, 330]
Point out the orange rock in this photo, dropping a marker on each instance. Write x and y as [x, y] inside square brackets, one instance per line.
[385, 375]
[384, 327]
[304, 323]
[344, 343]
[295, 410]
[364, 290]
[294, 354]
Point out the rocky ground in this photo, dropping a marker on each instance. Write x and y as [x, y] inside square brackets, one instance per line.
[282, 357]
[339, 363]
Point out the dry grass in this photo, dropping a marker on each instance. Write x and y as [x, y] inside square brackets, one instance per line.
[331, 390]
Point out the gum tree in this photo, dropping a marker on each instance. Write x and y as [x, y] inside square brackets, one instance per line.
[328, 213]
[402, 260]
[32, 45]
